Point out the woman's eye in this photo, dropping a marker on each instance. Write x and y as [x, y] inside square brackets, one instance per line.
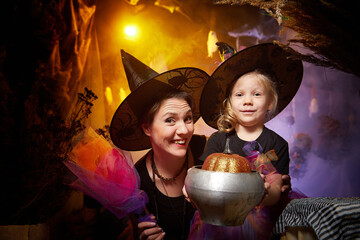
[189, 119]
[170, 120]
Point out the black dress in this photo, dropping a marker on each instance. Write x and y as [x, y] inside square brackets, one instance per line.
[174, 214]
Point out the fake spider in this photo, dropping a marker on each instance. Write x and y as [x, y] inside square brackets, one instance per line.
[181, 81]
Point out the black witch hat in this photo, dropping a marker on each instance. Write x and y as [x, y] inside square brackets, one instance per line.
[270, 58]
[146, 87]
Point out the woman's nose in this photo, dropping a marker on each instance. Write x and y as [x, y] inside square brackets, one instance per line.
[182, 128]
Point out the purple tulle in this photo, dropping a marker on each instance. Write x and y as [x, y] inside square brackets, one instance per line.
[252, 148]
[114, 183]
[259, 161]
[258, 224]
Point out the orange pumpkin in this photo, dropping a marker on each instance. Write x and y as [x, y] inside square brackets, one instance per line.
[225, 162]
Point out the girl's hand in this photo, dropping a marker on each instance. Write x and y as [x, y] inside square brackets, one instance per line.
[267, 186]
[286, 187]
[150, 230]
[272, 185]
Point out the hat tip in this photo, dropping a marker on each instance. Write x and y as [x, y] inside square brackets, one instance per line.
[123, 53]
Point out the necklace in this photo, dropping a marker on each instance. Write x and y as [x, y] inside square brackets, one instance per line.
[182, 223]
[164, 178]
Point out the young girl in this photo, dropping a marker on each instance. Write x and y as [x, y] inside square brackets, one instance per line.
[252, 99]
[253, 86]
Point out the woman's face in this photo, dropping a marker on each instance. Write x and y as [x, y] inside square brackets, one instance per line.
[250, 101]
[172, 128]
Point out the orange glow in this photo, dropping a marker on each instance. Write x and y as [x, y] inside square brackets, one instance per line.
[153, 44]
[131, 32]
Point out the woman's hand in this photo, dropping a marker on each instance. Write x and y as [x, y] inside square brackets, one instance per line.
[150, 230]
[186, 195]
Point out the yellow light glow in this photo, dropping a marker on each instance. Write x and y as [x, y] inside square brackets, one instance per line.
[122, 94]
[108, 95]
[131, 31]
[211, 43]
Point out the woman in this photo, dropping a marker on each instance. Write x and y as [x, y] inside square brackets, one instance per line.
[159, 114]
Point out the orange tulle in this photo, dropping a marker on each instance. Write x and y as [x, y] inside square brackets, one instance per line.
[90, 150]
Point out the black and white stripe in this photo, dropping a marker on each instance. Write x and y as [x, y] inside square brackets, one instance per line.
[331, 218]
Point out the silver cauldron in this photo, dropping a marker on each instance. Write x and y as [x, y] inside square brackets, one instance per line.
[224, 198]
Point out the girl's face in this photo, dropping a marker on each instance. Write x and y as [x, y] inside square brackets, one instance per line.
[172, 128]
[250, 101]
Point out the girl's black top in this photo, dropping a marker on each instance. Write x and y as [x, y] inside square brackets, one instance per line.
[268, 139]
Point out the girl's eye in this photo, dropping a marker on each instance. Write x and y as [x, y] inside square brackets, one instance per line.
[257, 94]
[238, 94]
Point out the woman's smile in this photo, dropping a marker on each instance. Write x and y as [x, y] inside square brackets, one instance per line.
[180, 142]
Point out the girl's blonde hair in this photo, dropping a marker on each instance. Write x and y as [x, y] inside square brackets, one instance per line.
[228, 120]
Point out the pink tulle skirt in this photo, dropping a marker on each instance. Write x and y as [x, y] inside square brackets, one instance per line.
[105, 174]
